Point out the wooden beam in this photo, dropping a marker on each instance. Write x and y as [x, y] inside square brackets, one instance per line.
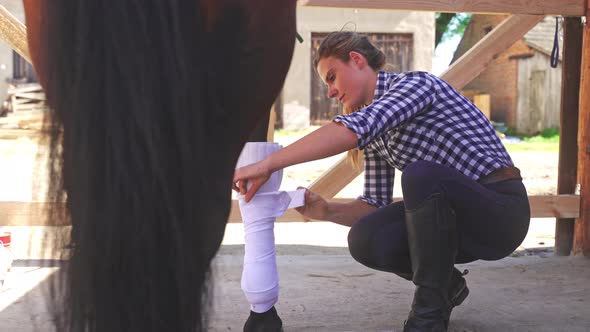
[34, 213]
[568, 147]
[29, 214]
[531, 7]
[465, 69]
[474, 61]
[561, 206]
[335, 179]
[582, 225]
[14, 33]
[555, 206]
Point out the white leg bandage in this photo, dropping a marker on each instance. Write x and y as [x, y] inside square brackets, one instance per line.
[260, 281]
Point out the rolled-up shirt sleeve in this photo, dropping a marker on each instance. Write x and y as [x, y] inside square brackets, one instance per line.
[379, 176]
[409, 94]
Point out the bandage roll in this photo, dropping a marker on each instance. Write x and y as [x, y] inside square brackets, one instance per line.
[260, 281]
[257, 151]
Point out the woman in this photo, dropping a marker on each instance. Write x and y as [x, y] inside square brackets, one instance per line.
[145, 134]
[463, 198]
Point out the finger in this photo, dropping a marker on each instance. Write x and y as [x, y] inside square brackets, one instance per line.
[301, 211]
[236, 176]
[242, 186]
[307, 196]
[253, 189]
[235, 187]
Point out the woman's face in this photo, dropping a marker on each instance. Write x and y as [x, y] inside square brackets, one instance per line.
[349, 82]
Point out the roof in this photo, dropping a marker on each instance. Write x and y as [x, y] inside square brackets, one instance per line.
[541, 37]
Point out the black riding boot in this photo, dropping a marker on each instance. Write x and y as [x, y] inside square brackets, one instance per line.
[264, 322]
[432, 239]
[458, 289]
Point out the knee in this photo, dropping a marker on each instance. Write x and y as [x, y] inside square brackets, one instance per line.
[415, 173]
[359, 238]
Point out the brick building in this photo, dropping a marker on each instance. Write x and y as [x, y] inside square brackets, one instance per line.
[524, 89]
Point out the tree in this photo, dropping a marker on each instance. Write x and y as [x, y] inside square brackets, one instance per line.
[449, 25]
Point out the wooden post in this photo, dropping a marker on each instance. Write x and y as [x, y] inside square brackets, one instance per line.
[270, 132]
[568, 152]
[582, 226]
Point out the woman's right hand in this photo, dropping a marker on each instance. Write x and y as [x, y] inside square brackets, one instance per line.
[255, 174]
[316, 207]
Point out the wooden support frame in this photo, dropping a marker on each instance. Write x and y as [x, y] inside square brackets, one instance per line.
[14, 33]
[568, 147]
[561, 206]
[582, 226]
[531, 7]
[472, 63]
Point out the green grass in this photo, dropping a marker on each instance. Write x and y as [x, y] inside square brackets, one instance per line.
[546, 141]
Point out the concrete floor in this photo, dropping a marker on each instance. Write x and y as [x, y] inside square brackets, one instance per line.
[331, 292]
[324, 289]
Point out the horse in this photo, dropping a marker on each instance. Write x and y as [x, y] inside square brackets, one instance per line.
[151, 103]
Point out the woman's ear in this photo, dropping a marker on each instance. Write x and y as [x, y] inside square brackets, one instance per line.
[357, 58]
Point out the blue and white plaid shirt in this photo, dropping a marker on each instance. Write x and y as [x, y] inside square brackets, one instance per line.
[417, 116]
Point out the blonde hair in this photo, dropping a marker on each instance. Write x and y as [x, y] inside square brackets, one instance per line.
[339, 44]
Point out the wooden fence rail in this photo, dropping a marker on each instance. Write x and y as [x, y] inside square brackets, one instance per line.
[34, 213]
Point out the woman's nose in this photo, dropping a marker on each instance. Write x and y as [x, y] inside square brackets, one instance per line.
[332, 92]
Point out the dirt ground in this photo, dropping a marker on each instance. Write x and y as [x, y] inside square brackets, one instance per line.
[322, 287]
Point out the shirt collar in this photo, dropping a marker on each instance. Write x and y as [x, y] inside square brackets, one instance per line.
[381, 86]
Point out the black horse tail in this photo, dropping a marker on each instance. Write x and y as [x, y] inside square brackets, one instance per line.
[134, 108]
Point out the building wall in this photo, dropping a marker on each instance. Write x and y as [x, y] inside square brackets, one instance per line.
[15, 7]
[297, 87]
[539, 88]
[500, 77]
[499, 80]
[477, 28]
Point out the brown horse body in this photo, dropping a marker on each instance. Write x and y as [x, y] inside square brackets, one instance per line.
[148, 126]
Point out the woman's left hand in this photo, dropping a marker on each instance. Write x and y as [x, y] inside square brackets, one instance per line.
[256, 174]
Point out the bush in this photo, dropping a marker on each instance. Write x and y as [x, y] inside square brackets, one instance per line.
[549, 133]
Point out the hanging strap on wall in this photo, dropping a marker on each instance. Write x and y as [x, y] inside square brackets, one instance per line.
[555, 51]
[298, 36]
